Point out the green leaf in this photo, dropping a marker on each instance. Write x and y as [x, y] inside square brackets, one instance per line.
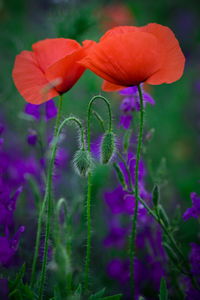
[79, 289]
[14, 284]
[113, 297]
[120, 175]
[98, 295]
[141, 298]
[163, 290]
[155, 198]
[126, 140]
[163, 215]
[57, 295]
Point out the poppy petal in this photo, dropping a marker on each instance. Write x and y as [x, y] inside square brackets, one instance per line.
[30, 80]
[66, 69]
[119, 30]
[111, 87]
[126, 60]
[50, 51]
[173, 59]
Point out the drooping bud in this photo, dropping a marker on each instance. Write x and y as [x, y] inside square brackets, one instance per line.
[82, 162]
[107, 147]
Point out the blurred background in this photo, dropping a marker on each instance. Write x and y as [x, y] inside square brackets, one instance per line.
[174, 149]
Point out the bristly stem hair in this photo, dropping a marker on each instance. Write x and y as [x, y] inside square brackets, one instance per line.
[88, 204]
[47, 198]
[133, 233]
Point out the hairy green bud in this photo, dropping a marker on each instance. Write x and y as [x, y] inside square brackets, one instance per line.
[82, 162]
[107, 147]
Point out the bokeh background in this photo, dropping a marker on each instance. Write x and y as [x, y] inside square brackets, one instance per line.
[174, 148]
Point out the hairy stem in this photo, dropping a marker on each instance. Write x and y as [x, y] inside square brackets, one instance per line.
[88, 204]
[132, 239]
[47, 198]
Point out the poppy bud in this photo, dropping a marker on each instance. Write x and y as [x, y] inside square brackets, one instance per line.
[107, 147]
[82, 162]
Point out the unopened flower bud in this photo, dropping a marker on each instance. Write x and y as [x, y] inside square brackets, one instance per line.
[82, 162]
[107, 147]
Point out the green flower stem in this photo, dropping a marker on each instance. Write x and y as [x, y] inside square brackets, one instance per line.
[88, 204]
[74, 119]
[48, 194]
[42, 211]
[99, 118]
[47, 198]
[61, 202]
[132, 239]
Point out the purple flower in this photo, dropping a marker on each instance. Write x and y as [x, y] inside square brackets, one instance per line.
[195, 259]
[4, 289]
[1, 128]
[132, 103]
[32, 110]
[1, 142]
[193, 211]
[7, 204]
[9, 246]
[51, 110]
[32, 138]
[125, 121]
[119, 270]
[116, 237]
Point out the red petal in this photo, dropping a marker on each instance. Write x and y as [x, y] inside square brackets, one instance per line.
[119, 30]
[110, 87]
[30, 80]
[125, 59]
[66, 69]
[173, 60]
[50, 51]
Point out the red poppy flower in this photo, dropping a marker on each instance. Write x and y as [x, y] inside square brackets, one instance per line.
[51, 69]
[116, 14]
[129, 55]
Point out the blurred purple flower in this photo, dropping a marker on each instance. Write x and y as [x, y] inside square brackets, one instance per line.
[32, 138]
[1, 142]
[193, 211]
[34, 110]
[195, 259]
[132, 103]
[51, 110]
[9, 246]
[4, 289]
[7, 204]
[116, 237]
[1, 128]
[119, 270]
